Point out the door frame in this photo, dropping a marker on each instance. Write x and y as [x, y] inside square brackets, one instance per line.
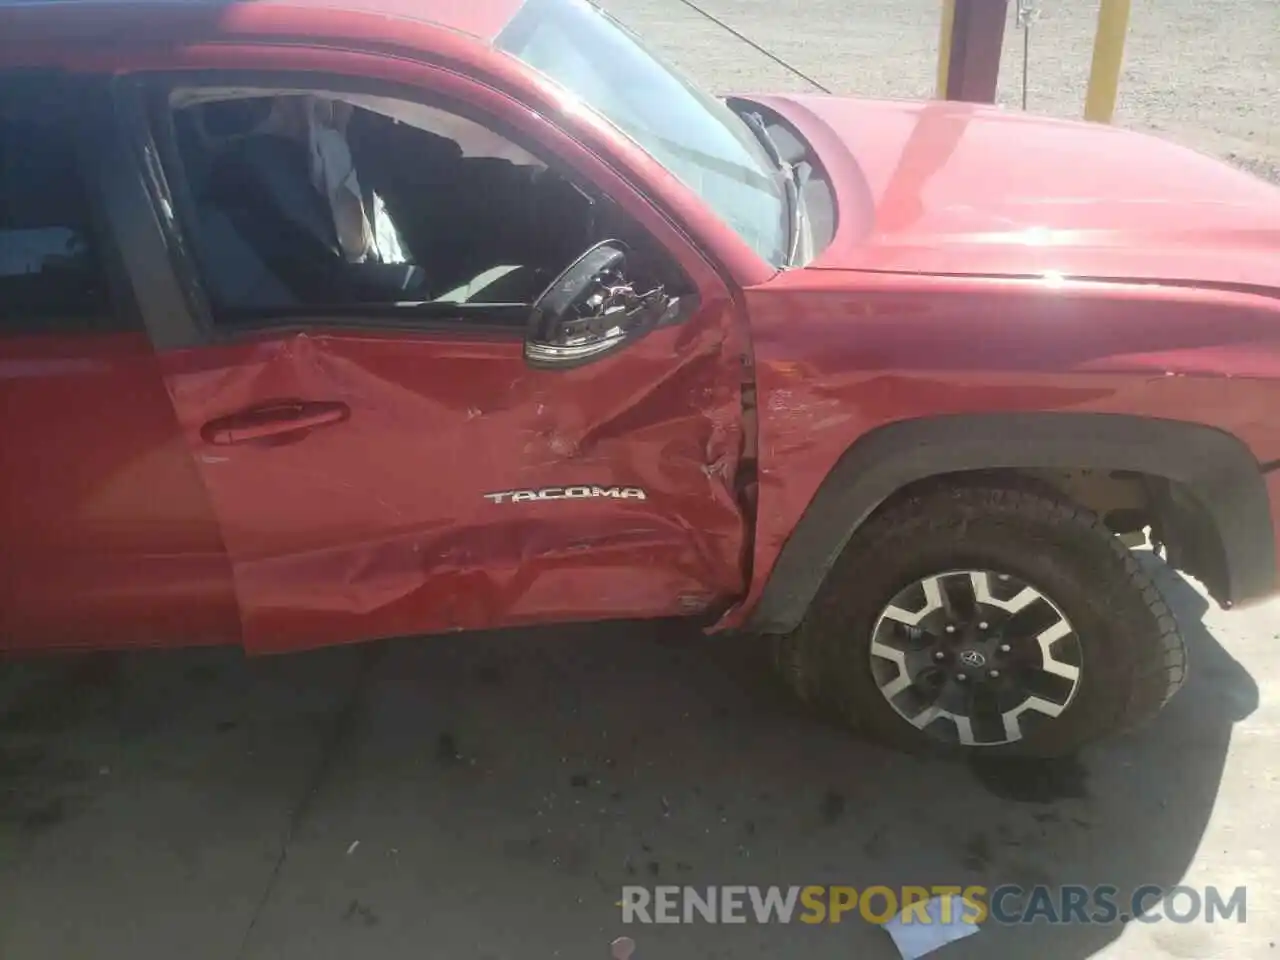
[175, 308]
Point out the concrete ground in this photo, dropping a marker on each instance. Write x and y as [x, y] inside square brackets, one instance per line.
[487, 797]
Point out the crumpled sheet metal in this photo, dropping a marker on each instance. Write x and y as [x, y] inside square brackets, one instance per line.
[834, 365]
[379, 526]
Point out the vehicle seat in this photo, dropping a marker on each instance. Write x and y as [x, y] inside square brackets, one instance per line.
[235, 273]
[272, 241]
[262, 186]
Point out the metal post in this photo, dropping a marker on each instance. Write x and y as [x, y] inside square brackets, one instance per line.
[1108, 57]
[944, 47]
[977, 37]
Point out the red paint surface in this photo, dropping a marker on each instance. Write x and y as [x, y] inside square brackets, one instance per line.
[866, 336]
[954, 188]
[832, 365]
[951, 286]
[378, 525]
[108, 536]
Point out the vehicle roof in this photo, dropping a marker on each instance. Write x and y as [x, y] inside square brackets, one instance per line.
[482, 19]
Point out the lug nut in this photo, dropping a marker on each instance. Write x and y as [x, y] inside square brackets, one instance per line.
[951, 628]
[994, 674]
[961, 677]
[982, 625]
[939, 655]
[1005, 648]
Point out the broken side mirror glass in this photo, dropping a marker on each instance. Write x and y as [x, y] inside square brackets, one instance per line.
[593, 309]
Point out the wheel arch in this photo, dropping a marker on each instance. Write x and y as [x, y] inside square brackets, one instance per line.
[1206, 492]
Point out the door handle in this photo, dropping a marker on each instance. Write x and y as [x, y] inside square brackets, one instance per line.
[274, 419]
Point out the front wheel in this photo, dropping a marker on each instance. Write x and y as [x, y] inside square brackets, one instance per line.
[987, 618]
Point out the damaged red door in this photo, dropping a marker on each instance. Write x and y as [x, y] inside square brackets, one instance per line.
[389, 520]
[383, 478]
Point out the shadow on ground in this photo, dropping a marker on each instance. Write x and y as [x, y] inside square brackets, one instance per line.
[488, 797]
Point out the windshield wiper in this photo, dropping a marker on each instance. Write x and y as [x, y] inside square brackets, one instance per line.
[793, 178]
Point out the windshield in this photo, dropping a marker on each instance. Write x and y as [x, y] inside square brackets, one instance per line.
[694, 135]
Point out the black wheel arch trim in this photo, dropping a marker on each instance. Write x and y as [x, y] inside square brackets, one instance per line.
[1214, 466]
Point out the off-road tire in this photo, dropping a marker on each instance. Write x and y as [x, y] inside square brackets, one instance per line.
[1134, 658]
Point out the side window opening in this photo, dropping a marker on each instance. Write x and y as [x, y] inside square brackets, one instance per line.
[308, 201]
[51, 267]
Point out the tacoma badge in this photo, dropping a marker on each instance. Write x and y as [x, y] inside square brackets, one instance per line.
[567, 493]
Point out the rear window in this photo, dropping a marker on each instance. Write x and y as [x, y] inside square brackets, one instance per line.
[50, 268]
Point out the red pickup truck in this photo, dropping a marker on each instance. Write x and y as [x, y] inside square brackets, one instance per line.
[328, 321]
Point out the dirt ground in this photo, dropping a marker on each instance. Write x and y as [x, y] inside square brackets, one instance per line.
[1204, 72]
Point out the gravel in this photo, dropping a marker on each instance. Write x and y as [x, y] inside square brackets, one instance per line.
[1203, 72]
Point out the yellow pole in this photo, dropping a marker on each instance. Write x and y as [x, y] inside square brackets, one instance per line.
[944, 46]
[1108, 56]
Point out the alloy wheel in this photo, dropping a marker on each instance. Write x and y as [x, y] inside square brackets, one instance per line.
[975, 657]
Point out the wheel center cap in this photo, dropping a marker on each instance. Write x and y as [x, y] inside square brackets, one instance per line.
[973, 658]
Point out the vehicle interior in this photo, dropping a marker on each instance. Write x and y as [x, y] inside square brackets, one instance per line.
[305, 200]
